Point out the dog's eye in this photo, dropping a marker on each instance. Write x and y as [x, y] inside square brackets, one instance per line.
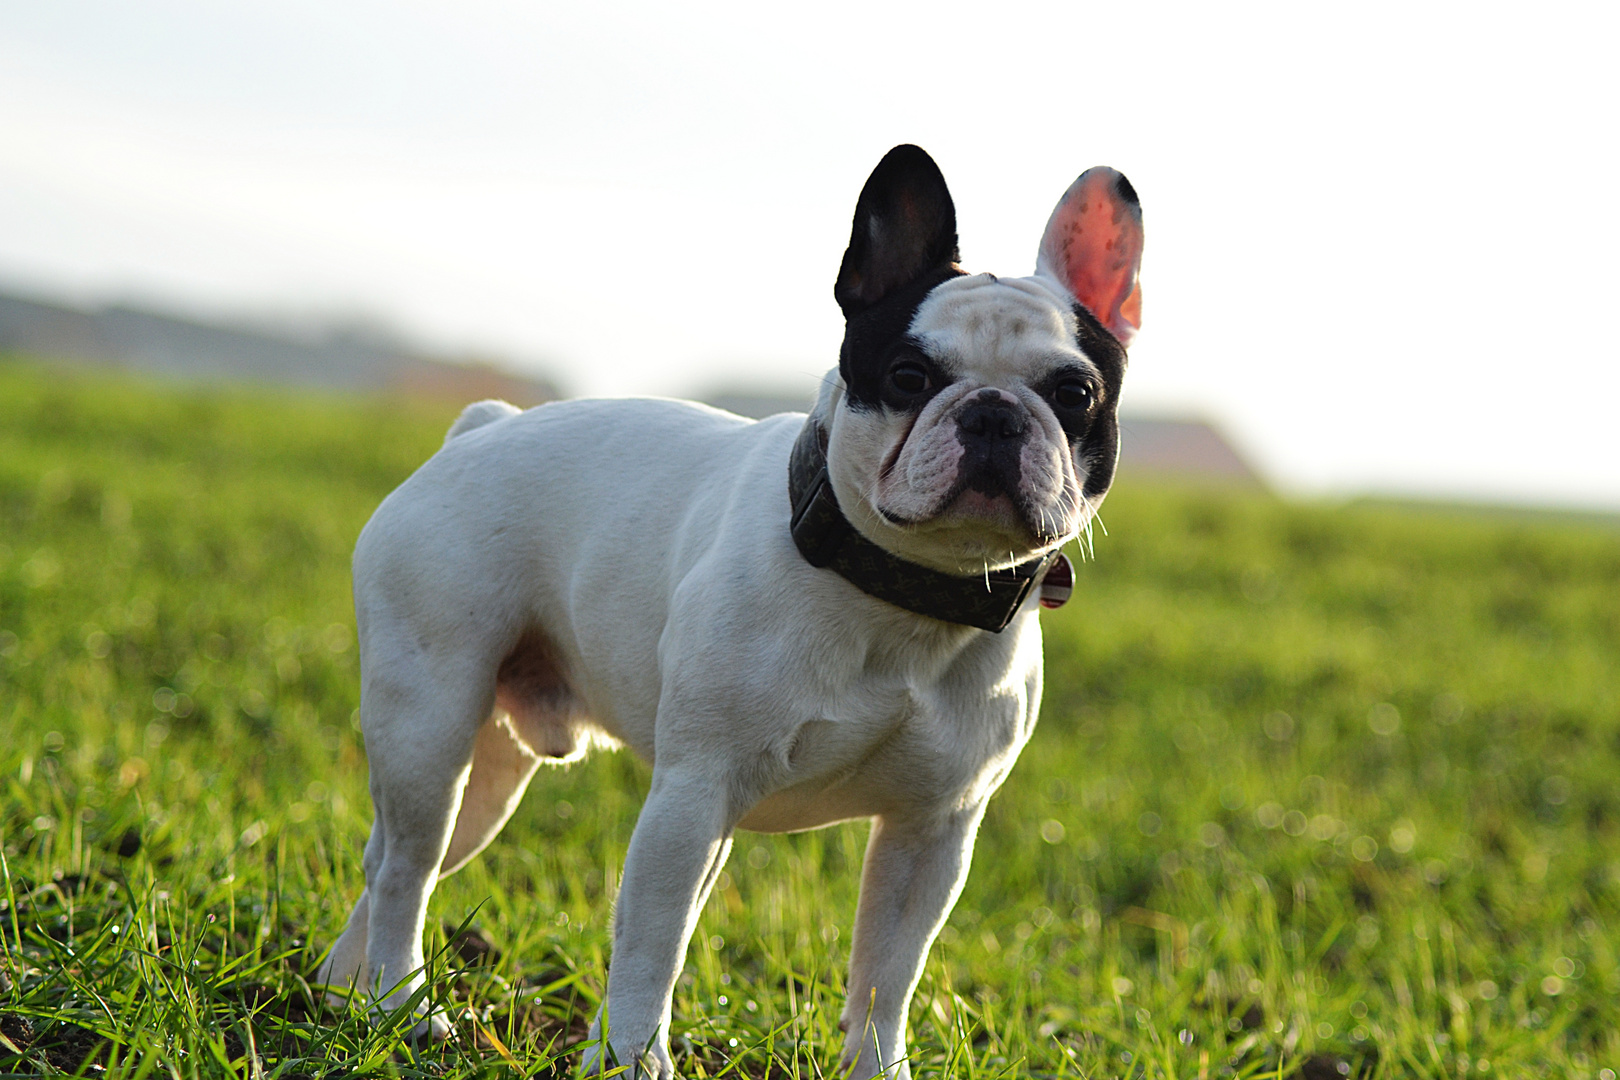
[910, 378]
[1072, 394]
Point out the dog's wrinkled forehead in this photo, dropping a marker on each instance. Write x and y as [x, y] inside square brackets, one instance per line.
[997, 330]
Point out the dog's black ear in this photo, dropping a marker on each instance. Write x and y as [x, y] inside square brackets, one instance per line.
[1093, 248]
[905, 226]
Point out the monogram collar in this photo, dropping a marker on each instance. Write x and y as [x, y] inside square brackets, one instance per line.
[826, 539]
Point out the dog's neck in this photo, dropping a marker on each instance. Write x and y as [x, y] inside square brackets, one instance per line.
[826, 539]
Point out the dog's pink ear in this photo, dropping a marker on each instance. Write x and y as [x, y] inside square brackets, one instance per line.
[905, 228]
[1093, 247]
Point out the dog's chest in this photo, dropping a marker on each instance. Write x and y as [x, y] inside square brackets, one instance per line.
[885, 747]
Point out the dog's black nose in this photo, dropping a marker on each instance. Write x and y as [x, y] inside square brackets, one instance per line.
[990, 416]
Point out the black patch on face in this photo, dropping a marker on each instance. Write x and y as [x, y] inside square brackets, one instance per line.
[1092, 427]
[1075, 419]
[878, 337]
[1097, 436]
[902, 244]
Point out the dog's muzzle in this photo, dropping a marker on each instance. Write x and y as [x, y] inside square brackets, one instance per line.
[991, 428]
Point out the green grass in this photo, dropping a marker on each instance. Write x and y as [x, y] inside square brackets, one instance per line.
[1317, 791]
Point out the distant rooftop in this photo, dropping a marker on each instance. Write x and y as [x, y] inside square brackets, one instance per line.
[1185, 447]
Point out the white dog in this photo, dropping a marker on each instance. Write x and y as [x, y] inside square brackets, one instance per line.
[797, 622]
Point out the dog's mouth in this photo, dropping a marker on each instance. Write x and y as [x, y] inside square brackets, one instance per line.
[978, 505]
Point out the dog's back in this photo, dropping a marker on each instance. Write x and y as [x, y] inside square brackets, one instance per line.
[557, 531]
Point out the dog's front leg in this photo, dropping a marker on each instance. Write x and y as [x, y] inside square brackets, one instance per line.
[913, 873]
[680, 843]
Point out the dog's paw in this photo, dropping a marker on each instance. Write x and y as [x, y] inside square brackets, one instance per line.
[432, 1025]
[654, 1064]
[434, 1028]
[855, 1065]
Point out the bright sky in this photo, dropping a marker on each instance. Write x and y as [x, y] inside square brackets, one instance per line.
[1381, 238]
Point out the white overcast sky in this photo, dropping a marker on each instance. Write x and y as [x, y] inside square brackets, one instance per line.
[1381, 238]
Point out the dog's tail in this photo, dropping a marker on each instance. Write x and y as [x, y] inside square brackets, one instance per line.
[478, 414]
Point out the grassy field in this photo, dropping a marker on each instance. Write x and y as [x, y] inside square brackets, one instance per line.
[1317, 791]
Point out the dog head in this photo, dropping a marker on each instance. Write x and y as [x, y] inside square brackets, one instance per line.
[974, 420]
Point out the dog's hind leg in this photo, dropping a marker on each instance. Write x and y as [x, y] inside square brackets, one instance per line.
[421, 728]
[501, 769]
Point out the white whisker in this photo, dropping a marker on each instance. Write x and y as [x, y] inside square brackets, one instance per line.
[1094, 517]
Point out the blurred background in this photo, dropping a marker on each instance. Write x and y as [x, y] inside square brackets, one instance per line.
[1380, 254]
[1326, 770]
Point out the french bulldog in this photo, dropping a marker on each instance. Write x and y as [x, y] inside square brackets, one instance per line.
[797, 621]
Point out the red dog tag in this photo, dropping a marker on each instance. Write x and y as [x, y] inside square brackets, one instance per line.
[1058, 584]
